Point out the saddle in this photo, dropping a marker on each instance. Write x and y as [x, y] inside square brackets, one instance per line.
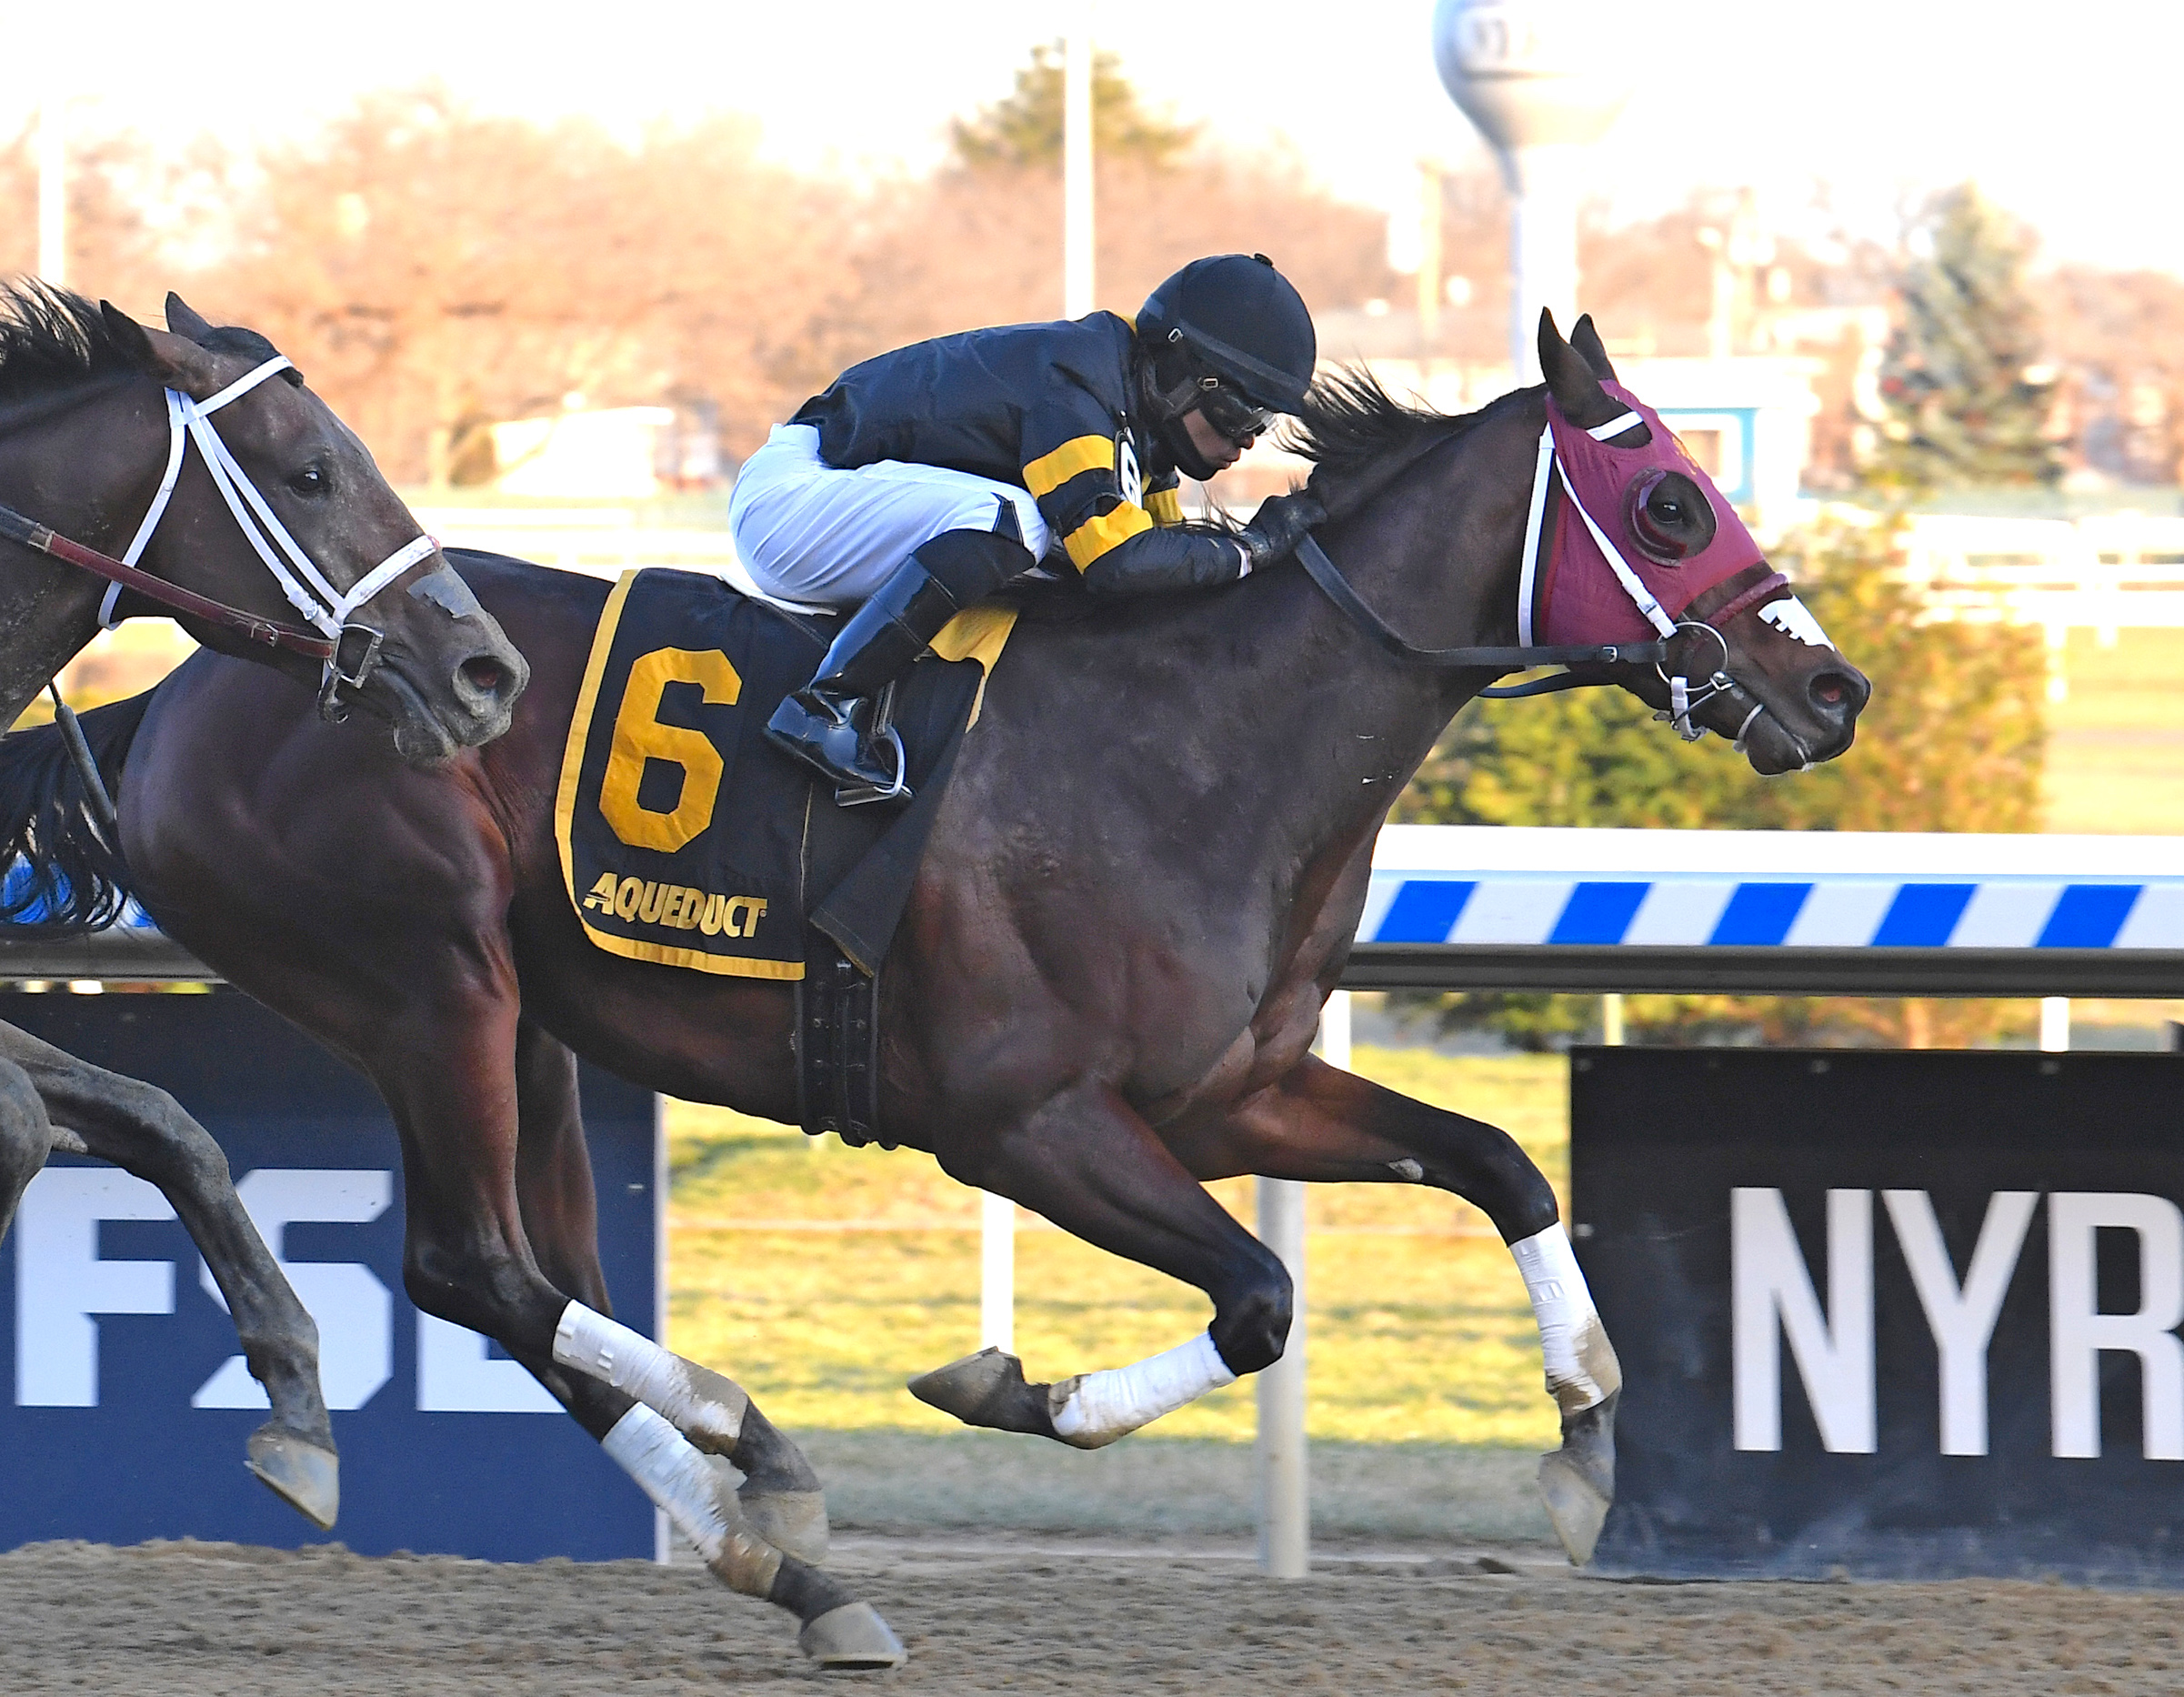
[687, 839]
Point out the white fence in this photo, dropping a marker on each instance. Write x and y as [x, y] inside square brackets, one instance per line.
[2102, 573]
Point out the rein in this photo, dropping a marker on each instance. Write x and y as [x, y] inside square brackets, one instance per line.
[1336, 589]
[346, 651]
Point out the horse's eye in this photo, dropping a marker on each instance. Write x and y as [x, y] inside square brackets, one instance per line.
[1666, 508]
[311, 480]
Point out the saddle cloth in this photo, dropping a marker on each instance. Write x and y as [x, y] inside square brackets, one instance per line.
[686, 838]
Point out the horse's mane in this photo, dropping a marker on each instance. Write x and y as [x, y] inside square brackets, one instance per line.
[1358, 436]
[52, 338]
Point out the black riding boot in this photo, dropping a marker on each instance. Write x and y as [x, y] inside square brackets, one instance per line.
[828, 723]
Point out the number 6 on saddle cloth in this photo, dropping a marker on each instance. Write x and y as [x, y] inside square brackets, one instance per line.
[687, 839]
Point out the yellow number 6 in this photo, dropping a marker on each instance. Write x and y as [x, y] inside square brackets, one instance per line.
[640, 737]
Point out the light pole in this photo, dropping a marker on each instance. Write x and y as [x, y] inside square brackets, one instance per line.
[53, 190]
[1542, 79]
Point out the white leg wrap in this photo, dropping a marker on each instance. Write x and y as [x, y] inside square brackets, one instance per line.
[1098, 1408]
[697, 1402]
[686, 1485]
[1570, 1336]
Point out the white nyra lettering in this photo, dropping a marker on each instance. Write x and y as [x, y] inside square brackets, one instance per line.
[1773, 1297]
[677, 907]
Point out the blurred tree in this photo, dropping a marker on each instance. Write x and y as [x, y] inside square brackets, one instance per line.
[1026, 127]
[115, 247]
[433, 270]
[1964, 404]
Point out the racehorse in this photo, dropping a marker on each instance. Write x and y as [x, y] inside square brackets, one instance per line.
[95, 415]
[1142, 883]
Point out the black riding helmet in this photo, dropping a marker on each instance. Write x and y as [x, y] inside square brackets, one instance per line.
[1228, 335]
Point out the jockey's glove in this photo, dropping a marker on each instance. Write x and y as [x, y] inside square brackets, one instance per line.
[1276, 529]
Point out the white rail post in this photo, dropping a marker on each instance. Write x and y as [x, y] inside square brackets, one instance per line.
[1611, 1019]
[1285, 1537]
[1077, 164]
[2055, 1024]
[53, 190]
[997, 1272]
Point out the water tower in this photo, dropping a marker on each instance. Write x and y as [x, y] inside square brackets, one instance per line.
[1543, 79]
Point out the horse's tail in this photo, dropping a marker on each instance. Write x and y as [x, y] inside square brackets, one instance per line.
[59, 874]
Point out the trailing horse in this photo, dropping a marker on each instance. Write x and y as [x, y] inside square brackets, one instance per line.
[1143, 880]
[281, 512]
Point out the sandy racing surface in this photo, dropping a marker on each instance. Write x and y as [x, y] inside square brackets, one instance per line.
[1037, 1616]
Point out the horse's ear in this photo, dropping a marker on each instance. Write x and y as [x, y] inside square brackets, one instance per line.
[1586, 339]
[129, 337]
[176, 360]
[183, 321]
[1569, 380]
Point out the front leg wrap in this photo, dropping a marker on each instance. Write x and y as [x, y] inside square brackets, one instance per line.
[1095, 1409]
[1582, 1372]
[682, 1483]
[703, 1405]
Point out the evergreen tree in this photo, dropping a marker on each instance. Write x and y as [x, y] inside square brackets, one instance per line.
[1961, 407]
[1026, 128]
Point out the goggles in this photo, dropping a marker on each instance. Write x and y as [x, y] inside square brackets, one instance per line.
[1230, 413]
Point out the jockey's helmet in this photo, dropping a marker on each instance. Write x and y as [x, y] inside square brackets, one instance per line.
[1228, 335]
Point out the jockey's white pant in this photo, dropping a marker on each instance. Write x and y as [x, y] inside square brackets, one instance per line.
[808, 531]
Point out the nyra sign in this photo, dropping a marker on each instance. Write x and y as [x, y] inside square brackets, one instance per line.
[130, 1400]
[1890, 1313]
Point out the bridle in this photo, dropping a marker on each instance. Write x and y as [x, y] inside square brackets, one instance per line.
[1683, 697]
[347, 651]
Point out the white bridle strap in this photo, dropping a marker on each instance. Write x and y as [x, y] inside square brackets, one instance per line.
[304, 585]
[177, 443]
[1629, 579]
[1615, 428]
[1533, 541]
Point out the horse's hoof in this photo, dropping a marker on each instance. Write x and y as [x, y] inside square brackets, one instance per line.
[1577, 1482]
[793, 1521]
[852, 1637]
[986, 1390]
[305, 1476]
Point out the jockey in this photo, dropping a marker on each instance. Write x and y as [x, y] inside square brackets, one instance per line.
[924, 479]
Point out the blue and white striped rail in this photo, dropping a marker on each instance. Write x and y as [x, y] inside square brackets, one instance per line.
[1788, 910]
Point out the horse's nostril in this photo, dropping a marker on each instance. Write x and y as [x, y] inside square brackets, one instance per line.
[1833, 695]
[483, 675]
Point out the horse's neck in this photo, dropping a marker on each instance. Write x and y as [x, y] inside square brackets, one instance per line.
[85, 474]
[1257, 720]
[1342, 725]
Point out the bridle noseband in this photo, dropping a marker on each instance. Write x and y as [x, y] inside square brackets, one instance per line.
[347, 651]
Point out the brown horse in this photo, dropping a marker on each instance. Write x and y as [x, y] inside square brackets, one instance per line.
[85, 446]
[1143, 881]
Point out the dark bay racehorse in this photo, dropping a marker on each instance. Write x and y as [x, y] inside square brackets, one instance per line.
[1143, 881]
[87, 441]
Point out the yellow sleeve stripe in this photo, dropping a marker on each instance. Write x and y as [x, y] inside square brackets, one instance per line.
[1166, 506]
[1095, 537]
[1085, 453]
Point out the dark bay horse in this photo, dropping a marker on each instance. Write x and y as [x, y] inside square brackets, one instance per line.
[1143, 881]
[87, 442]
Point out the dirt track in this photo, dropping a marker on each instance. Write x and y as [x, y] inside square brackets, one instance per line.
[180, 1619]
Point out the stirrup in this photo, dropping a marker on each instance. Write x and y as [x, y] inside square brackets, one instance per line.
[862, 795]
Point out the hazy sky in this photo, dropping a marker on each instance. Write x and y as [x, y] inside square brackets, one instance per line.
[2066, 114]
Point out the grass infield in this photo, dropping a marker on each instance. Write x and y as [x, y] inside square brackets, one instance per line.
[822, 1277]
